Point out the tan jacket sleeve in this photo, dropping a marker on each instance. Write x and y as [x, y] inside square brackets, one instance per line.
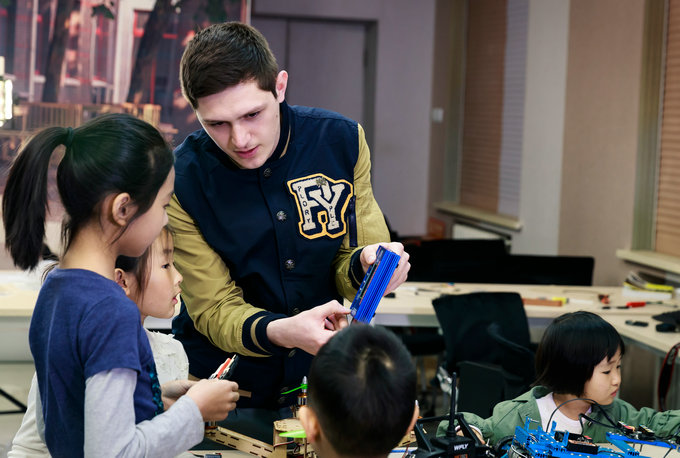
[371, 226]
[213, 300]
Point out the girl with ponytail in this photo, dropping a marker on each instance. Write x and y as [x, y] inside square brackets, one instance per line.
[99, 391]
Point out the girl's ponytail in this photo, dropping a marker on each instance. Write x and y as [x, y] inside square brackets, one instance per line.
[111, 153]
[24, 202]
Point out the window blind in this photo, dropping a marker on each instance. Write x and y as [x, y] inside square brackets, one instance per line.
[493, 111]
[668, 190]
[483, 106]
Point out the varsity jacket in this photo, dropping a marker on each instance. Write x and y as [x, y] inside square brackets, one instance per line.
[258, 245]
[507, 415]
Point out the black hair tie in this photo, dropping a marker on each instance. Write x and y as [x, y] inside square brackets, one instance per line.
[69, 137]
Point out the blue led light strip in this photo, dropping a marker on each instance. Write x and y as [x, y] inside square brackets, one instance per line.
[373, 285]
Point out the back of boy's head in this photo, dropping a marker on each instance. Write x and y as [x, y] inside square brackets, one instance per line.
[572, 346]
[224, 55]
[112, 153]
[362, 387]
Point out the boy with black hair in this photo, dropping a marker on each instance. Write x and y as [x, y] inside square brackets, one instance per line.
[361, 394]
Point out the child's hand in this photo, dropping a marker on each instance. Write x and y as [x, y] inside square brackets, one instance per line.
[477, 433]
[214, 398]
[172, 391]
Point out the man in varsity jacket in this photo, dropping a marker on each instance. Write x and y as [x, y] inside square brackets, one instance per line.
[273, 216]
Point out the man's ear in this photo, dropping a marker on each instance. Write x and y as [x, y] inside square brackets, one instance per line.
[121, 278]
[122, 209]
[310, 423]
[281, 85]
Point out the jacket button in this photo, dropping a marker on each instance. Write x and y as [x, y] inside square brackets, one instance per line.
[281, 216]
[267, 172]
[290, 264]
[296, 311]
[291, 353]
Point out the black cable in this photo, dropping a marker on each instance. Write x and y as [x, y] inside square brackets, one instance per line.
[605, 415]
[621, 429]
[572, 400]
[580, 421]
[611, 424]
[592, 420]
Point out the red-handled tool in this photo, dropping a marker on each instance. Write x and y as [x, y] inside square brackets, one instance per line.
[635, 304]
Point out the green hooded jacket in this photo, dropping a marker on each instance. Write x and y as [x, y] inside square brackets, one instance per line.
[507, 415]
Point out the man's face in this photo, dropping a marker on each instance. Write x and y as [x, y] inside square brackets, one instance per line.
[244, 121]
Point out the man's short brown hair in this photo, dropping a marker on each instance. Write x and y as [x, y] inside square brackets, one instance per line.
[224, 55]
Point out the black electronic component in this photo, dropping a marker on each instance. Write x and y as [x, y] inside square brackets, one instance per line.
[582, 447]
[637, 323]
[578, 443]
[645, 433]
[625, 429]
[451, 445]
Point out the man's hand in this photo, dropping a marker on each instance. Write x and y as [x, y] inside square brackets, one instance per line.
[310, 329]
[401, 272]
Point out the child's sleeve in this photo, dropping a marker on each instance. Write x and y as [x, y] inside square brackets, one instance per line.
[662, 423]
[110, 428]
[27, 442]
[108, 336]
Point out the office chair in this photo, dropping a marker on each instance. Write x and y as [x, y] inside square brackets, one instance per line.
[487, 343]
[423, 342]
[443, 260]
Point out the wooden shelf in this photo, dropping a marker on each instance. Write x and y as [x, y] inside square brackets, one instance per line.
[481, 216]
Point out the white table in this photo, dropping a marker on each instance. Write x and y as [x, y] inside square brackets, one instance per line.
[411, 306]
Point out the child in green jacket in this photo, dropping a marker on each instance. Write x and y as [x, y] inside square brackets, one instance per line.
[578, 365]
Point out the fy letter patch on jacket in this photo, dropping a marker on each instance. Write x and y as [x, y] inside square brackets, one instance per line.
[321, 203]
